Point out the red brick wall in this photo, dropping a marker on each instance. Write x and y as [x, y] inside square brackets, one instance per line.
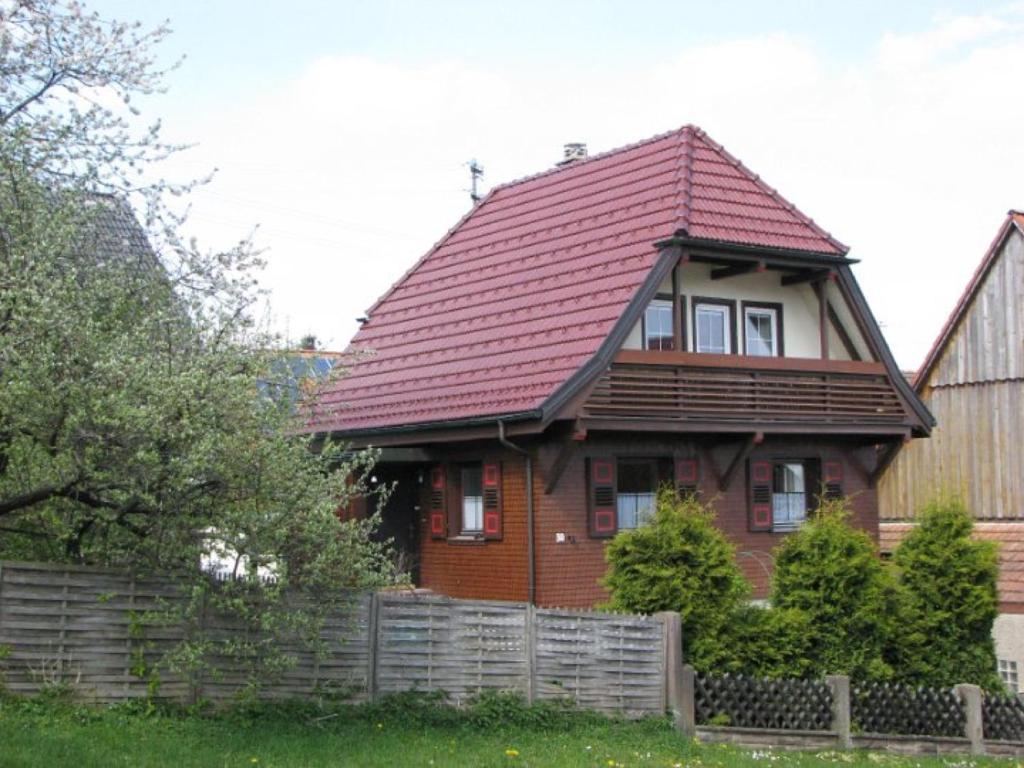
[489, 570]
[569, 574]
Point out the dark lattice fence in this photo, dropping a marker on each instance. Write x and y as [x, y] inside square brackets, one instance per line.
[892, 708]
[749, 702]
[1002, 718]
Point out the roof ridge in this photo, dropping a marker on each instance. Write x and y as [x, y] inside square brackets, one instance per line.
[772, 192]
[588, 159]
[684, 178]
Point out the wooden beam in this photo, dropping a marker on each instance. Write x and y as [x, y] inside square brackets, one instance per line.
[738, 269]
[844, 337]
[737, 461]
[819, 290]
[554, 474]
[886, 457]
[677, 309]
[806, 276]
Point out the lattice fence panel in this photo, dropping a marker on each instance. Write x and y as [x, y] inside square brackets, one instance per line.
[891, 708]
[748, 702]
[1002, 718]
[606, 662]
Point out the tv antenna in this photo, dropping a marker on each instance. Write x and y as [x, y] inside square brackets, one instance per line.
[476, 172]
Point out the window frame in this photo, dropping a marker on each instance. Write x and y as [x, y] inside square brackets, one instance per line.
[666, 298]
[462, 529]
[654, 465]
[730, 333]
[777, 325]
[812, 474]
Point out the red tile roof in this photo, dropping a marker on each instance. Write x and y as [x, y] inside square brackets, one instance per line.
[521, 293]
[1011, 555]
[964, 302]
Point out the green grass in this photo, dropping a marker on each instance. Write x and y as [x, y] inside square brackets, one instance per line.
[404, 732]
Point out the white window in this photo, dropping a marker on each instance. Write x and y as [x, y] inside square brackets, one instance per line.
[713, 328]
[1008, 672]
[472, 499]
[658, 325]
[789, 494]
[637, 480]
[760, 331]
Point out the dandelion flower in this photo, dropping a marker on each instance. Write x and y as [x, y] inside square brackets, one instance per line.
[510, 752]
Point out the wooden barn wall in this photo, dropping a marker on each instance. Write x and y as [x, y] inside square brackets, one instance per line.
[976, 393]
[975, 452]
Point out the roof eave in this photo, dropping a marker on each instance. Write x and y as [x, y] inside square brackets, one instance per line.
[794, 254]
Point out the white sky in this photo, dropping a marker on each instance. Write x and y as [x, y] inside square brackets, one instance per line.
[908, 150]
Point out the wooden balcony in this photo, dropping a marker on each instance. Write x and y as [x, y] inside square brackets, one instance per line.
[732, 392]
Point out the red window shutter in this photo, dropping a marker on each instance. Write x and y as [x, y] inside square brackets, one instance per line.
[601, 497]
[760, 518]
[687, 477]
[832, 475]
[492, 500]
[438, 502]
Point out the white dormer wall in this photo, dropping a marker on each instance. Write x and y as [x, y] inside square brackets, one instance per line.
[799, 309]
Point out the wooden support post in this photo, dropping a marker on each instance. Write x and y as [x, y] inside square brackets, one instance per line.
[970, 695]
[819, 290]
[678, 691]
[372, 646]
[841, 723]
[737, 461]
[678, 342]
[530, 651]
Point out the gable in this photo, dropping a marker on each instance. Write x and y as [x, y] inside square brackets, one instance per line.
[522, 293]
[987, 342]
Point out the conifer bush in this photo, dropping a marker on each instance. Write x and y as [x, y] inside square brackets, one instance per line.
[950, 582]
[679, 562]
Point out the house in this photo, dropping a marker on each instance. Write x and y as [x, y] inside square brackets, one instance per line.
[653, 314]
[973, 380]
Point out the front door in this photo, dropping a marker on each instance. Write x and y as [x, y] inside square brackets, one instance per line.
[399, 519]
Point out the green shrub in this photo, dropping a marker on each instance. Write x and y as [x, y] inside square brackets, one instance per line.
[761, 642]
[950, 580]
[850, 601]
[679, 562]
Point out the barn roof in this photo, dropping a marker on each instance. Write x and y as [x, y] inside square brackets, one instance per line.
[1014, 220]
[521, 293]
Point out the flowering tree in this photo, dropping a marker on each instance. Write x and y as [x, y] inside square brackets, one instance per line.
[131, 428]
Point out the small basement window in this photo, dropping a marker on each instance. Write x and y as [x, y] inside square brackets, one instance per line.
[657, 325]
[1008, 673]
[472, 499]
[638, 479]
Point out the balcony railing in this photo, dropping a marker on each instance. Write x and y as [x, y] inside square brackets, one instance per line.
[732, 389]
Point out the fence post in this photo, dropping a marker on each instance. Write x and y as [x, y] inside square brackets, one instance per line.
[530, 651]
[372, 625]
[840, 685]
[970, 695]
[678, 677]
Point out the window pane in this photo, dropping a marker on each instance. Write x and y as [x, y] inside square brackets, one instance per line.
[636, 477]
[759, 332]
[712, 329]
[635, 509]
[789, 497]
[472, 499]
[658, 326]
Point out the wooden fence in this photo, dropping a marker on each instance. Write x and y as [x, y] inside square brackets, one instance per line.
[83, 627]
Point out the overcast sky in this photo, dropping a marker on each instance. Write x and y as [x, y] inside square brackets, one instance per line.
[343, 129]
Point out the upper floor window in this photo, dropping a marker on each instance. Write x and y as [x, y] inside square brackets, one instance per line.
[472, 478]
[761, 325]
[657, 325]
[712, 327]
[637, 483]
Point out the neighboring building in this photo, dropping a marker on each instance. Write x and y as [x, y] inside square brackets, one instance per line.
[973, 381]
[653, 314]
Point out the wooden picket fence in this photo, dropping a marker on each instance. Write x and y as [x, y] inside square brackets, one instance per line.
[85, 627]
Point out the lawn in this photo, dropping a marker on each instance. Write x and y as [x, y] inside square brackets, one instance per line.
[52, 733]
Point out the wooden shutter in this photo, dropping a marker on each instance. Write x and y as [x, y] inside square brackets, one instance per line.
[492, 500]
[832, 476]
[760, 517]
[687, 477]
[601, 497]
[438, 505]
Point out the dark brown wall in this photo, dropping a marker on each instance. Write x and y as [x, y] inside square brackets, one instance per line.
[569, 574]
